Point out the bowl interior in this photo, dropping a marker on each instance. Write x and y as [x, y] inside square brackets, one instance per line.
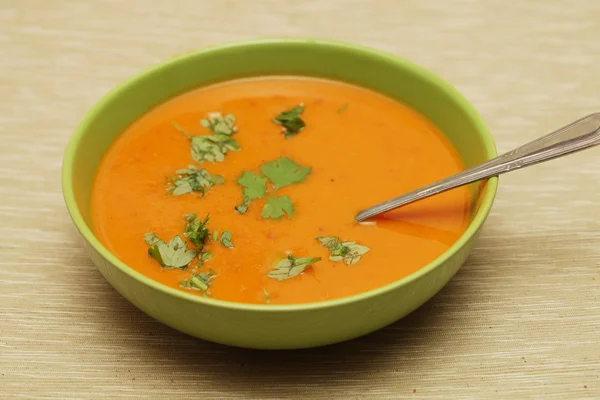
[386, 74]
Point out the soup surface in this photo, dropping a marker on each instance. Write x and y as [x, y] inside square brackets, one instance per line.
[357, 148]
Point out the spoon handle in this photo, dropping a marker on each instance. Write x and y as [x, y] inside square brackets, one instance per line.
[579, 135]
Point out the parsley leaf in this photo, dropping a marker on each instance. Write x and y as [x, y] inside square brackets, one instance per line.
[200, 281]
[242, 208]
[203, 257]
[291, 122]
[172, 255]
[283, 172]
[255, 186]
[213, 147]
[151, 239]
[219, 124]
[275, 206]
[196, 230]
[193, 179]
[291, 266]
[226, 239]
[349, 252]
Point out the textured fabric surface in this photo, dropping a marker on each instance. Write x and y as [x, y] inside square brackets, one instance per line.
[520, 320]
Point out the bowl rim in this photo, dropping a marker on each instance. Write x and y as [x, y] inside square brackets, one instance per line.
[86, 232]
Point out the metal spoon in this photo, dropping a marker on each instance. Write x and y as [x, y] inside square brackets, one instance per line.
[579, 135]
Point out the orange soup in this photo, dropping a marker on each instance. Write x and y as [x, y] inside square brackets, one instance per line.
[280, 165]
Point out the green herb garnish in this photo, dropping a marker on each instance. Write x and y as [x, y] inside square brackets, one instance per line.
[200, 281]
[226, 239]
[243, 207]
[342, 109]
[203, 257]
[290, 121]
[193, 179]
[349, 252]
[213, 147]
[291, 266]
[283, 172]
[175, 254]
[255, 186]
[220, 124]
[277, 207]
[196, 230]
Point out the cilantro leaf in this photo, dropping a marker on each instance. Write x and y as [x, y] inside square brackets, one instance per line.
[283, 172]
[172, 255]
[203, 257]
[275, 206]
[255, 186]
[291, 266]
[196, 230]
[226, 239]
[193, 179]
[151, 239]
[349, 252]
[212, 147]
[242, 208]
[290, 121]
[200, 281]
[219, 124]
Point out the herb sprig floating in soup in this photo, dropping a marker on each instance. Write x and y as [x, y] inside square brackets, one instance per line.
[280, 173]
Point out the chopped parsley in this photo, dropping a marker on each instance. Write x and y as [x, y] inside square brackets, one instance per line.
[348, 252]
[290, 121]
[213, 147]
[283, 172]
[193, 179]
[200, 281]
[203, 257]
[220, 124]
[277, 207]
[342, 109]
[196, 230]
[243, 207]
[226, 239]
[291, 266]
[175, 254]
[255, 186]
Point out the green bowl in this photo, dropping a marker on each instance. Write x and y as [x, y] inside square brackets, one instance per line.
[277, 326]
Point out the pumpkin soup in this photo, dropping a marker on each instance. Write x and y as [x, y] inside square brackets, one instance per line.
[247, 190]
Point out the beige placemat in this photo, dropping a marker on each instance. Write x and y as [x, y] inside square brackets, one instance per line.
[520, 320]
